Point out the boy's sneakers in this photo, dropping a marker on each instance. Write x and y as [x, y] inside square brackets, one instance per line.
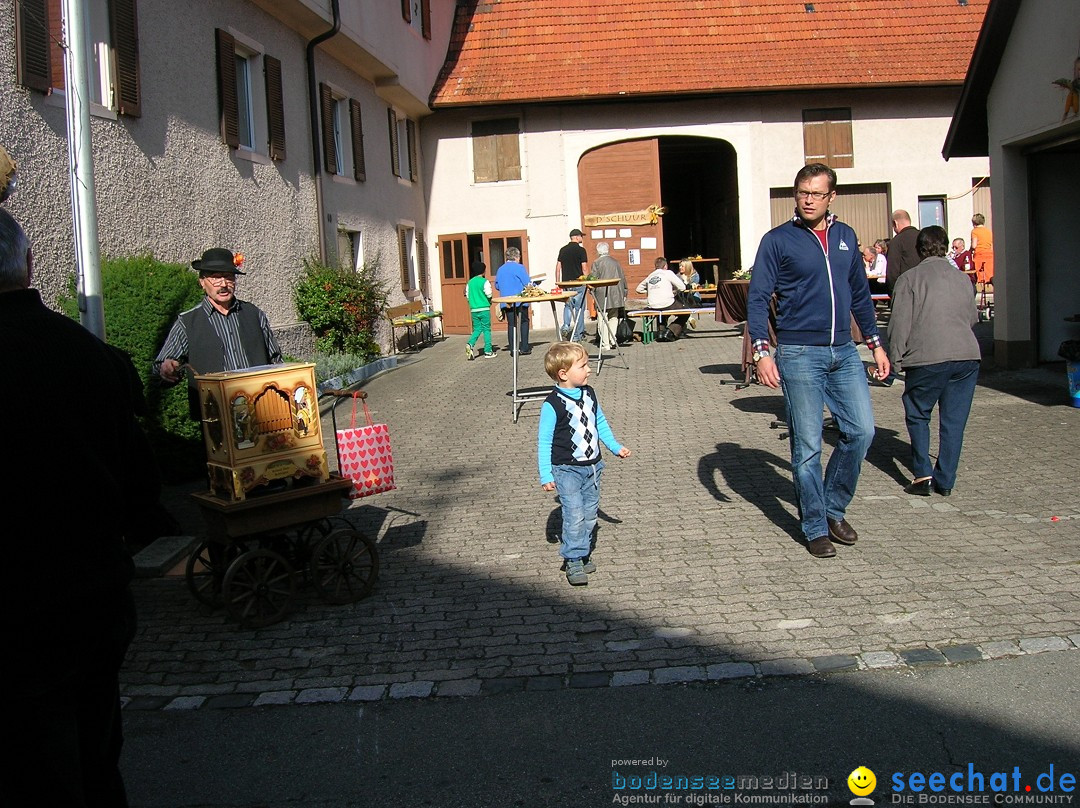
[588, 565]
[575, 572]
[489, 355]
[469, 352]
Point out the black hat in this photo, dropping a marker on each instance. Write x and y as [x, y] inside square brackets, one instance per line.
[576, 232]
[217, 259]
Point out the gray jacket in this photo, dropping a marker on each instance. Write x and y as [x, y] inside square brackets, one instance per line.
[933, 310]
[614, 296]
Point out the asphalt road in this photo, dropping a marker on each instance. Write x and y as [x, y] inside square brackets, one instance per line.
[570, 747]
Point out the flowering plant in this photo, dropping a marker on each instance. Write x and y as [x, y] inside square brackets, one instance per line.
[742, 274]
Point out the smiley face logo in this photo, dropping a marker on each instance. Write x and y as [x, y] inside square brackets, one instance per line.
[861, 781]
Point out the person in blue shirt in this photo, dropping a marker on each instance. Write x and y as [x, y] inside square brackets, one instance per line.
[510, 279]
[572, 426]
[813, 266]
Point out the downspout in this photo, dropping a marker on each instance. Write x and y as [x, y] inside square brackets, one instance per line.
[313, 104]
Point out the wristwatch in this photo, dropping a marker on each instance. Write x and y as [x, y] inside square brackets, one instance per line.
[759, 355]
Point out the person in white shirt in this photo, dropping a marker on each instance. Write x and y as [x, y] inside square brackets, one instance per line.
[660, 286]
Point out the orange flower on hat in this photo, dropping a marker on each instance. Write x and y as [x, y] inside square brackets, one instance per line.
[238, 260]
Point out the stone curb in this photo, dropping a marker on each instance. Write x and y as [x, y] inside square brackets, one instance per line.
[945, 656]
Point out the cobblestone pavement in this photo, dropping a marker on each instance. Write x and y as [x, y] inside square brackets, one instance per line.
[701, 574]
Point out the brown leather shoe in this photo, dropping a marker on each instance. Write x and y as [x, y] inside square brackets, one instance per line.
[821, 547]
[841, 531]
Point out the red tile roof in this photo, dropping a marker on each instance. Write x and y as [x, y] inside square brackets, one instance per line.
[557, 50]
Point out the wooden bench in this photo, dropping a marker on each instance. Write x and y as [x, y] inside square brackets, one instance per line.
[412, 318]
[650, 318]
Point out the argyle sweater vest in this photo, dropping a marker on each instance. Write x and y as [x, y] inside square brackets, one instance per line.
[575, 441]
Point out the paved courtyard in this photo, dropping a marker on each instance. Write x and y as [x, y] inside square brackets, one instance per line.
[701, 571]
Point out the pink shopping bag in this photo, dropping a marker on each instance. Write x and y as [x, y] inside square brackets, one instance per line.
[364, 456]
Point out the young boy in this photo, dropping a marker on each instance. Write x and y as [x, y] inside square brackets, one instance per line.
[571, 427]
[478, 292]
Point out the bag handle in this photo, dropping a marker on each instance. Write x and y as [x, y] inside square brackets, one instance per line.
[367, 413]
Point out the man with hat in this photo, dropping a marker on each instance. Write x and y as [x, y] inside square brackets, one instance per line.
[220, 333]
[572, 264]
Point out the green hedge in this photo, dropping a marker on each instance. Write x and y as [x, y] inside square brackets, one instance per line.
[142, 298]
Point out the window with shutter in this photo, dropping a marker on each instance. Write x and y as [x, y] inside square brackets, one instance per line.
[275, 107]
[421, 261]
[357, 126]
[228, 113]
[395, 158]
[403, 257]
[410, 133]
[326, 108]
[496, 150]
[32, 36]
[827, 137]
[124, 28]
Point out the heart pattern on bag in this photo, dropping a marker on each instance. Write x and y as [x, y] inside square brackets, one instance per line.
[366, 459]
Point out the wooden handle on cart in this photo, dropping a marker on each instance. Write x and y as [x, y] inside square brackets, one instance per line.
[345, 393]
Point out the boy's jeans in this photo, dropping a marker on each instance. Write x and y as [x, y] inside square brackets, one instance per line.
[579, 493]
[812, 377]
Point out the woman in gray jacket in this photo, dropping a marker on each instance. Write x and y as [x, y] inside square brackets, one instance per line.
[930, 337]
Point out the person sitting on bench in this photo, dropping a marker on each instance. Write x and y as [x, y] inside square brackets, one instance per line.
[661, 285]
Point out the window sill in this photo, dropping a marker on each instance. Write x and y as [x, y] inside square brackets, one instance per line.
[343, 179]
[58, 98]
[250, 156]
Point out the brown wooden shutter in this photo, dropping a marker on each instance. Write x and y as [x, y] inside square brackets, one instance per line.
[410, 133]
[841, 148]
[33, 68]
[357, 126]
[56, 35]
[425, 19]
[228, 106]
[275, 107]
[326, 107]
[421, 262]
[124, 27]
[403, 259]
[395, 160]
[406, 10]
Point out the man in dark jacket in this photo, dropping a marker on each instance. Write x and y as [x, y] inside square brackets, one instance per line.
[902, 254]
[812, 264]
[81, 472]
[573, 263]
[221, 333]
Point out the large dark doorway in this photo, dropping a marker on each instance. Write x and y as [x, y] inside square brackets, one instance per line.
[700, 189]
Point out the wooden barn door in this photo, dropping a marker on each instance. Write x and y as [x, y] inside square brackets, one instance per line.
[622, 178]
[453, 257]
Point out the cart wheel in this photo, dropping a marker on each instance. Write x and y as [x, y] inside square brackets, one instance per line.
[344, 566]
[312, 532]
[205, 568]
[258, 589]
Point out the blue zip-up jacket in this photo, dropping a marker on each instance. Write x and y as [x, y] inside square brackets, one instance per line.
[816, 294]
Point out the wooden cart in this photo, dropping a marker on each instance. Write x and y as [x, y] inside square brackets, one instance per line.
[259, 550]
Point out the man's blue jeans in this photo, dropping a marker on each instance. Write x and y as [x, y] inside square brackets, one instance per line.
[572, 318]
[951, 386]
[517, 321]
[812, 377]
[579, 493]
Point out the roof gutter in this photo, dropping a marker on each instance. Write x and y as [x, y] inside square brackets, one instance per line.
[313, 105]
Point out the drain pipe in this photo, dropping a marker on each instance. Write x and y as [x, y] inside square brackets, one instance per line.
[316, 143]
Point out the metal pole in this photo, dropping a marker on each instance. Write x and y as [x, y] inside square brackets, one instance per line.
[81, 163]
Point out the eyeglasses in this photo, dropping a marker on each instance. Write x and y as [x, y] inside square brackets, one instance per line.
[220, 280]
[820, 196]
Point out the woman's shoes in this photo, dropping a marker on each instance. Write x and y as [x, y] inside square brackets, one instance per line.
[919, 489]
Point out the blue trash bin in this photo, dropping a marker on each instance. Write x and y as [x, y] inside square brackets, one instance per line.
[1073, 369]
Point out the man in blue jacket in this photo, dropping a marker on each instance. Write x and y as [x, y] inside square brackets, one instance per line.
[812, 264]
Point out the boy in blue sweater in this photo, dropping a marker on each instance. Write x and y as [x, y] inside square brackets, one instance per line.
[568, 450]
